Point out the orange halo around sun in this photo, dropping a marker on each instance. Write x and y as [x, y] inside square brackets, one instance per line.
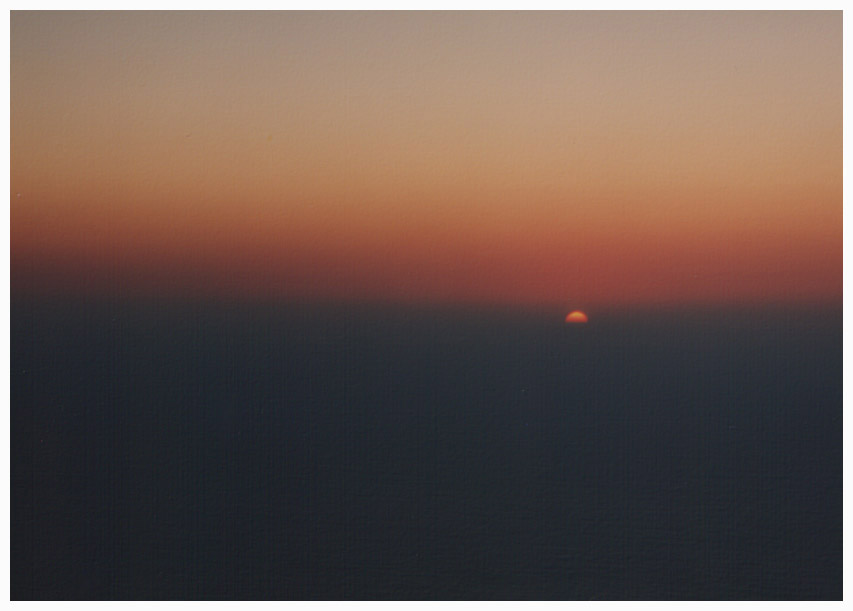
[576, 316]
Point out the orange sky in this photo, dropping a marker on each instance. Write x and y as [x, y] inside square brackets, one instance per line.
[519, 158]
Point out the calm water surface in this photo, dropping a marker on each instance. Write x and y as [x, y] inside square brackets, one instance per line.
[218, 451]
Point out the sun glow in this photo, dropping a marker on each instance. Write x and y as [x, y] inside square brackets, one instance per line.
[577, 317]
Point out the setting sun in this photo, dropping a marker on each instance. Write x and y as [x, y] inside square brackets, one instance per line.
[577, 316]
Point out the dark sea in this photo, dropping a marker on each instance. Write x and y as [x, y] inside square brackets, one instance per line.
[221, 451]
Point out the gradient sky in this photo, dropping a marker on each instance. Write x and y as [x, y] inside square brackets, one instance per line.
[595, 158]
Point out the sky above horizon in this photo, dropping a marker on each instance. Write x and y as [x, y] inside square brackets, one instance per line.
[585, 158]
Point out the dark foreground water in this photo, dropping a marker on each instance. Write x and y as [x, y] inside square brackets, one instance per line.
[216, 451]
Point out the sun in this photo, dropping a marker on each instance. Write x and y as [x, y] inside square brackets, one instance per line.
[576, 317]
